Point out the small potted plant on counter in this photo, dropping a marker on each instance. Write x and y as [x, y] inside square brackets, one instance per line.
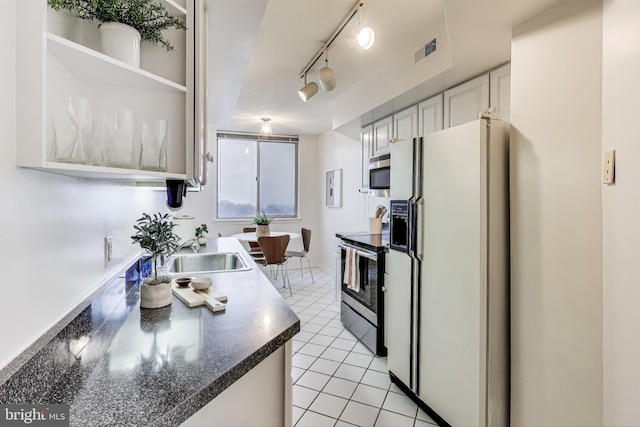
[123, 24]
[201, 234]
[155, 235]
[262, 224]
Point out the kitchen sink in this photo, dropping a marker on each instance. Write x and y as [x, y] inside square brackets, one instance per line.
[208, 263]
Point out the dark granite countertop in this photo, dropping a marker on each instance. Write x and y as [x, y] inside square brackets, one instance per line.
[117, 364]
[374, 242]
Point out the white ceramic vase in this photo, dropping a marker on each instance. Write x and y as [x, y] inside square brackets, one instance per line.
[120, 41]
[262, 230]
[155, 296]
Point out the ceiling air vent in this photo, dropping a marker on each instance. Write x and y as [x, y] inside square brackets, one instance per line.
[425, 51]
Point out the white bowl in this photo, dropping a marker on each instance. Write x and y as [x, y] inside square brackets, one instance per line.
[201, 283]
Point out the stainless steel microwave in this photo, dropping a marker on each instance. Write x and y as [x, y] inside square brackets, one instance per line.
[380, 175]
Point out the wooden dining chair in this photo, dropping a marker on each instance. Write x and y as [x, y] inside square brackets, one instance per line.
[306, 242]
[254, 247]
[273, 248]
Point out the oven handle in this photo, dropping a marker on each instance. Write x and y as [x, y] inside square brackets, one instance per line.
[366, 254]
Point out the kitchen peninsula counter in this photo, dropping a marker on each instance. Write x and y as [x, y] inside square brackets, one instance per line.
[117, 364]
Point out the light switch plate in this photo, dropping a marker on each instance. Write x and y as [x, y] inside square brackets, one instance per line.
[608, 173]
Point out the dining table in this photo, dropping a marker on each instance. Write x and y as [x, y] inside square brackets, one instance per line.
[245, 238]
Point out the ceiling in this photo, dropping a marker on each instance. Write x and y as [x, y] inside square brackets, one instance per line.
[258, 48]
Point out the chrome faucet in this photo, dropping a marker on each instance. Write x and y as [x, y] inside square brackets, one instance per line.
[192, 243]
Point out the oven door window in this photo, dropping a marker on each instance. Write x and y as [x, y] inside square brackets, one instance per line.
[368, 293]
[379, 178]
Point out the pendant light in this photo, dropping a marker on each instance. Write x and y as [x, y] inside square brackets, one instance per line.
[325, 75]
[308, 90]
[266, 126]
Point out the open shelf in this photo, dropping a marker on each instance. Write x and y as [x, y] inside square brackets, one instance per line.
[109, 173]
[174, 8]
[95, 68]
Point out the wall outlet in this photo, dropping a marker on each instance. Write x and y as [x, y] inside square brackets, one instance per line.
[108, 250]
[609, 169]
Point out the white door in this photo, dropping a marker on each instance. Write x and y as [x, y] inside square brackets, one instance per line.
[366, 137]
[450, 294]
[405, 123]
[401, 170]
[398, 320]
[465, 102]
[430, 115]
[382, 132]
[500, 94]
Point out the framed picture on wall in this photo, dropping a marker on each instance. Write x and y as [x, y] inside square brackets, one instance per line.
[334, 188]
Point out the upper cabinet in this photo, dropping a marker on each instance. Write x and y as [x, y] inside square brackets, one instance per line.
[405, 123]
[366, 140]
[382, 134]
[430, 115]
[501, 91]
[83, 113]
[465, 102]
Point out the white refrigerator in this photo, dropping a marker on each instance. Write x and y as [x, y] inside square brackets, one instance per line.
[448, 289]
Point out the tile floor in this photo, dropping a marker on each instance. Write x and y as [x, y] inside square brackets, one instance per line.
[337, 380]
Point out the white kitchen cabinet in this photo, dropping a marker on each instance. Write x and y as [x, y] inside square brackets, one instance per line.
[430, 115]
[405, 123]
[500, 91]
[465, 102]
[262, 396]
[366, 140]
[382, 134]
[59, 59]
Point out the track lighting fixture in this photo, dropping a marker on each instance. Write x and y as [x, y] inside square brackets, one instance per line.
[266, 126]
[308, 90]
[325, 75]
[327, 78]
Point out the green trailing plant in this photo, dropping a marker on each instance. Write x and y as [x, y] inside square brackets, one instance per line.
[202, 230]
[149, 17]
[262, 219]
[155, 235]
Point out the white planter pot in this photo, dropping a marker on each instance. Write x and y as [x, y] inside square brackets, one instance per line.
[262, 230]
[202, 240]
[155, 296]
[120, 41]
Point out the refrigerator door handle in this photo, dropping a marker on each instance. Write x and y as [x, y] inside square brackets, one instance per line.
[413, 229]
[417, 226]
[410, 228]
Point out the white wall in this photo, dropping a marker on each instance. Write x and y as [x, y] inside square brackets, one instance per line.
[556, 288]
[621, 212]
[52, 227]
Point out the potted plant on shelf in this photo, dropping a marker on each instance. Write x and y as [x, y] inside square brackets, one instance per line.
[155, 235]
[201, 234]
[124, 24]
[262, 224]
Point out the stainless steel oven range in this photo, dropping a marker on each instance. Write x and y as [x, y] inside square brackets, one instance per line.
[362, 306]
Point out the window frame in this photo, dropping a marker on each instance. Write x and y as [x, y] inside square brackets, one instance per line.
[257, 138]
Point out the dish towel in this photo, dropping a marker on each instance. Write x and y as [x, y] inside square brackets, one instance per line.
[351, 271]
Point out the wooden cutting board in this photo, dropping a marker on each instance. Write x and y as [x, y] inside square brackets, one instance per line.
[212, 298]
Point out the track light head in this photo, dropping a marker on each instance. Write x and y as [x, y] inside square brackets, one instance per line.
[327, 79]
[308, 90]
[366, 38]
[325, 75]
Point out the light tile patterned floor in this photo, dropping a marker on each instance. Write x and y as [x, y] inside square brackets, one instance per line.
[337, 380]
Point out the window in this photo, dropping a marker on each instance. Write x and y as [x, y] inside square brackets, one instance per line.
[257, 175]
